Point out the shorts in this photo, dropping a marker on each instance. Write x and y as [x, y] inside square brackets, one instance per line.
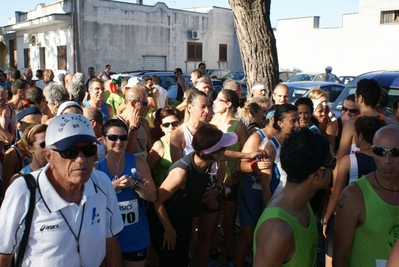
[330, 237]
[230, 193]
[138, 255]
[207, 209]
[250, 200]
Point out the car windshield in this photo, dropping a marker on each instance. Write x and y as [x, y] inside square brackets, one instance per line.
[296, 93]
[301, 77]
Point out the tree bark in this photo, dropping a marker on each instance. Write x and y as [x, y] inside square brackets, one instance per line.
[257, 42]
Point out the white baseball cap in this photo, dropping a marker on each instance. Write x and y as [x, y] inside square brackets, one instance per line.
[67, 130]
[133, 82]
[66, 105]
[329, 68]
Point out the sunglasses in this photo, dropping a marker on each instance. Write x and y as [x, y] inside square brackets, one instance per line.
[345, 109]
[42, 144]
[381, 152]
[115, 137]
[330, 164]
[73, 152]
[144, 103]
[173, 123]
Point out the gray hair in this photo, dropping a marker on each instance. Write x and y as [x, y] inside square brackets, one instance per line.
[78, 77]
[77, 90]
[231, 84]
[55, 93]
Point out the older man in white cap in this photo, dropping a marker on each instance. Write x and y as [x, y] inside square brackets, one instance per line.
[329, 77]
[76, 215]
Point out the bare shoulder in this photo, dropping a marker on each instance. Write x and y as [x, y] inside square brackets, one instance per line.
[351, 198]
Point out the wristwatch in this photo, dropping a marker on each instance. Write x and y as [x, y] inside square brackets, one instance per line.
[133, 128]
[322, 222]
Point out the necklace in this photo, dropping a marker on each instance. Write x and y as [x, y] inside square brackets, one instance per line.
[394, 191]
[117, 164]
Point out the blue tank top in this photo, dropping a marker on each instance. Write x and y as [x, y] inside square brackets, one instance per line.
[275, 181]
[103, 109]
[26, 169]
[136, 234]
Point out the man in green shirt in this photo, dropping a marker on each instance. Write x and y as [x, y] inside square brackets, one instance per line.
[367, 215]
[286, 233]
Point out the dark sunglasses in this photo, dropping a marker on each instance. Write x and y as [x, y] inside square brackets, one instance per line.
[173, 123]
[42, 144]
[73, 152]
[330, 164]
[381, 152]
[144, 103]
[345, 109]
[115, 137]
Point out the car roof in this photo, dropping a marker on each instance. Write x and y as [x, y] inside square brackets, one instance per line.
[386, 78]
[310, 84]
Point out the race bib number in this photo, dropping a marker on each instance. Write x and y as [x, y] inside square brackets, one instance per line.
[129, 211]
[380, 263]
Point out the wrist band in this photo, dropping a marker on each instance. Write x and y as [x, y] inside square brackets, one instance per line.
[136, 185]
[323, 223]
[254, 166]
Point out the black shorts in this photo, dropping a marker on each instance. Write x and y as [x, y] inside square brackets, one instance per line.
[138, 255]
[230, 193]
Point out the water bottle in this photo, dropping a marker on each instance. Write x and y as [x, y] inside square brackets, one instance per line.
[136, 176]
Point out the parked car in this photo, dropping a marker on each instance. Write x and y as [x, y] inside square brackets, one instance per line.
[308, 76]
[172, 90]
[301, 89]
[346, 79]
[217, 73]
[285, 75]
[387, 79]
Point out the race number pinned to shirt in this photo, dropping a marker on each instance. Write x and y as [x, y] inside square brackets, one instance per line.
[380, 263]
[129, 211]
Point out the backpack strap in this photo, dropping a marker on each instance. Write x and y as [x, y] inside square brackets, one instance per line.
[31, 183]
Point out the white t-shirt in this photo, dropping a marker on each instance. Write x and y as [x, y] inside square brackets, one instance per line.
[51, 241]
[163, 94]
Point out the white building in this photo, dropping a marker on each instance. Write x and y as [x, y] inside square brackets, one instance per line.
[72, 35]
[367, 41]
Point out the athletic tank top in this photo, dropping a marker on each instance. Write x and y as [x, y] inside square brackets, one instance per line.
[179, 95]
[23, 159]
[182, 204]
[188, 137]
[26, 169]
[164, 163]
[374, 240]
[133, 211]
[360, 164]
[103, 109]
[279, 176]
[232, 164]
[305, 238]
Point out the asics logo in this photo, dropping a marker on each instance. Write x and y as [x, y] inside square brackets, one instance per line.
[49, 227]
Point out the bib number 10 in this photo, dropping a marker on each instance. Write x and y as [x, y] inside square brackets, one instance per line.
[129, 212]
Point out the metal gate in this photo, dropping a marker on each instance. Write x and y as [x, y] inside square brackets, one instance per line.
[154, 63]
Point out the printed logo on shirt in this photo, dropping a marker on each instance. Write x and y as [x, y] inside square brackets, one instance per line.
[394, 234]
[49, 227]
[95, 217]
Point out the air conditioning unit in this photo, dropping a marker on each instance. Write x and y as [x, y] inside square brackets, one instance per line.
[195, 35]
[26, 38]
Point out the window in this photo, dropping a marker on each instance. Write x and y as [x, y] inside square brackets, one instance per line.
[42, 56]
[388, 17]
[223, 52]
[194, 51]
[62, 57]
[26, 58]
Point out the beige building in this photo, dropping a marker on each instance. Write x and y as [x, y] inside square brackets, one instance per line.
[74, 35]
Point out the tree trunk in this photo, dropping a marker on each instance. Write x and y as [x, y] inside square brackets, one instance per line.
[257, 42]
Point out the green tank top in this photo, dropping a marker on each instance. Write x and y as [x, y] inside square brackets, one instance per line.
[374, 240]
[305, 238]
[164, 163]
[232, 164]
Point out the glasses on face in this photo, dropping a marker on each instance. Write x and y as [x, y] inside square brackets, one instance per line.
[381, 152]
[73, 152]
[345, 109]
[222, 100]
[173, 123]
[115, 137]
[42, 144]
[144, 103]
[330, 164]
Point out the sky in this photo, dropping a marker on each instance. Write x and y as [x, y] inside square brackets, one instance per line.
[330, 12]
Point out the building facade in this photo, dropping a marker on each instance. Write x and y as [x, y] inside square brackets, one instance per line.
[73, 35]
[367, 41]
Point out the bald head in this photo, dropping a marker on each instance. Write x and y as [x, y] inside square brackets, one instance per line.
[281, 94]
[68, 79]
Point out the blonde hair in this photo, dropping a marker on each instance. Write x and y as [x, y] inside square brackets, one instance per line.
[317, 93]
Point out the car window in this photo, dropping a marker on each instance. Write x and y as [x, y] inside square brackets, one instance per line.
[335, 91]
[318, 78]
[297, 93]
[349, 90]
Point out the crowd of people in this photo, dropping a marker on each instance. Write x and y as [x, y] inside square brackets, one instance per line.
[122, 177]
